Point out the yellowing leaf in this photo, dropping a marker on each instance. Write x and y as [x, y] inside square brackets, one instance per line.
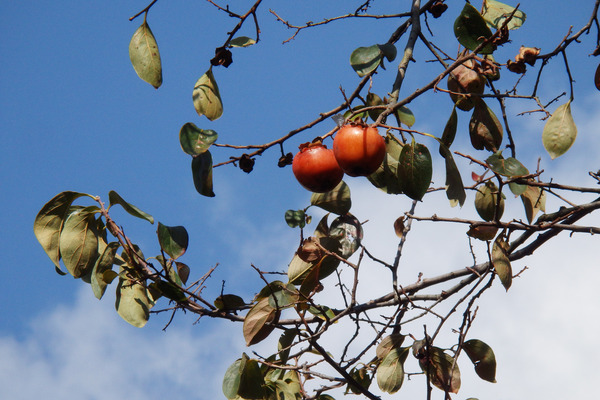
[560, 131]
[133, 302]
[256, 324]
[144, 55]
[501, 261]
[79, 241]
[206, 96]
[495, 13]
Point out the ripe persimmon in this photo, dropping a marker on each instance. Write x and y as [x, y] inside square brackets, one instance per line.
[358, 149]
[316, 168]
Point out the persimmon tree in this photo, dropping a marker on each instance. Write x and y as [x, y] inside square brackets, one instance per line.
[384, 331]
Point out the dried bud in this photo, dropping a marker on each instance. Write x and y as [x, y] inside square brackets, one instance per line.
[516, 67]
[437, 9]
[528, 55]
[246, 163]
[285, 160]
[222, 57]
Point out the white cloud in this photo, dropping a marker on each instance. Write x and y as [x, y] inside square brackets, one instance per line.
[85, 351]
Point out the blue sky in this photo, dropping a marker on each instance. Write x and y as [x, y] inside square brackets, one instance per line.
[76, 117]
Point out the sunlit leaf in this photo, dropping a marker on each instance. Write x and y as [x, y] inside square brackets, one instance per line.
[206, 96]
[133, 302]
[534, 200]
[485, 129]
[405, 116]
[195, 141]
[337, 201]
[483, 359]
[115, 198]
[390, 373]
[560, 131]
[99, 272]
[495, 13]
[386, 176]
[173, 239]
[202, 174]
[233, 376]
[347, 230]
[415, 170]
[256, 325]
[501, 261]
[144, 55]
[323, 312]
[49, 221]
[471, 30]
[79, 241]
[242, 41]
[366, 59]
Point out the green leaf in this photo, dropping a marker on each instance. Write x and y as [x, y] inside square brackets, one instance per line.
[195, 141]
[323, 312]
[455, 189]
[102, 268]
[374, 100]
[501, 261]
[242, 41]
[251, 381]
[79, 241]
[295, 218]
[489, 202]
[484, 128]
[229, 302]
[144, 55]
[49, 221]
[133, 302]
[362, 377]
[560, 131]
[509, 167]
[449, 131]
[495, 13]
[173, 239]
[115, 198]
[390, 373]
[280, 295]
[202, 174]
[206, 96]
[483, 358]
[405, 116]
[233, 376]
[365, 60]
[285, 341]
[337, 201]
[415, 170]
[347, 230]
[388, 50]
[256, 325]
[471, 30]
[386, 177]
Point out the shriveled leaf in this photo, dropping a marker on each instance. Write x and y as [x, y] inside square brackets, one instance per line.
[390, 373]
[347, 231]
[295, 218]
[495, 13]
[202, 174]
[442, 370]
[366, 59]
[534, 200]
[560, 131]
[133, 302]
[415, 170]
[242, 41]
[173, 239]
[144, 55]
[483, 358]
[485, 129]
[471, 30]
[489, 202]
[49, 222]
[501, 261]
[386, 177]
[256, 323]
[100, 270]
[195, 141]
[206, 96]
[399, 226]
[79, 241]
[115, 198]
[337, 201]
